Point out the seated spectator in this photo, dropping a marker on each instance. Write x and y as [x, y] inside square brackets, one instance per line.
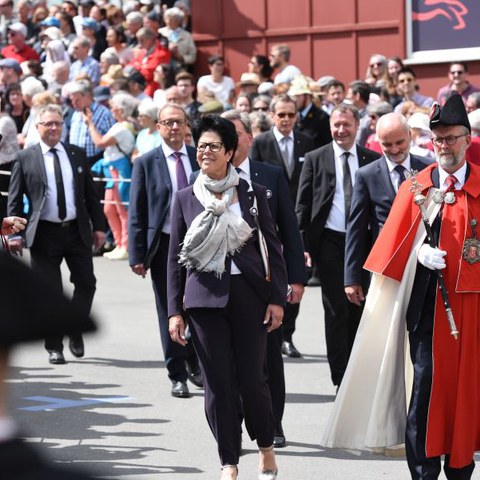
[91, 30]
[243, 103]
[280, 60]
[107, 59]
[67, 28]
[14, 105]
[186, 86]
[10, 73]
[473, 102]
[458, 83]
[17, 48]
[261, 122]
[408, 90]
[150, 54]
[84, 63]
[394, 65]
[180, 42]
[118, 144]
[376, 111]
[117, 44]
[377, 73]
[221, 86]
[260, 64]
[421, 135]
[248, 84]
[60, 75]
[149, 137]
[134, 24]
[54, 52]
[115, 16]
[102, 96]
[136, 83]
[261, 103]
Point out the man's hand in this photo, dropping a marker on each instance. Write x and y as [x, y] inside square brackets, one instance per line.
[16, 246]
[98, 239]
[273, 317]
[139, 269]
[176, 328]
[431, 258]
[11, 225]
[297, 293]
[308, 259]
[355, 294]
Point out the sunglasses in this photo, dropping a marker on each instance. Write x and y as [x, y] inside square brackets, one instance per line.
[286, 114]
[377, 64]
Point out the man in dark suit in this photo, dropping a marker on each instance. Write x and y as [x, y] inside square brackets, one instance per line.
[283, 215]
[286, 148]
[375, 188]
[312, 121]
[62, 209]
[155, 177]
[323, 205]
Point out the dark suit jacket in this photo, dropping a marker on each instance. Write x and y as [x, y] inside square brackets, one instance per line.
[204, 290]
[316, 124]
[150, 200]
[265, 149]
[316, 190]
[373, 195]
[30, 178]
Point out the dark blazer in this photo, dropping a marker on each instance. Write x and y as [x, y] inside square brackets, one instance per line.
[29, 177]
[315, 124]
[316, 189]
[373, 195]
[150, 198]
[265, 149]
[194, 289]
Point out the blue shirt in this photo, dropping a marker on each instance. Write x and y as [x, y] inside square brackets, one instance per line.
[89, 66]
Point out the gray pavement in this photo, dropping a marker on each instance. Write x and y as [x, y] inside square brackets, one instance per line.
[112, 414]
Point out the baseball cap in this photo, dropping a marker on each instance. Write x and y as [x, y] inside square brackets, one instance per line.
[11, 63]
[18, 27]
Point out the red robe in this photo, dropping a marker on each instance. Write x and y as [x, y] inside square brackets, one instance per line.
[453, 425]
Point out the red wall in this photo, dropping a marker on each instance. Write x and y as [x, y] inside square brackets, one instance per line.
[326, 37]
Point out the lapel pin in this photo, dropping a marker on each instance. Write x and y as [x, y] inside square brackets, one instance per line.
[79, 169]
[269, 194]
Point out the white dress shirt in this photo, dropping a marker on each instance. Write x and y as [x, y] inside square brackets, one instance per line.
[50, 207]
[336, 217]
[460, 175]
[279, 138]
[394, 176]
[172, 170]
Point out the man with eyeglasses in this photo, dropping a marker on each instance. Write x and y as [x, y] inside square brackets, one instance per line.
[65, 217]
[156, 176]
[285, 147]
[442, 418]
[458, 77]
[323, 206]
[407, 87]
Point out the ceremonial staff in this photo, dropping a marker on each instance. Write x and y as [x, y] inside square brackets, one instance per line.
[420, 199]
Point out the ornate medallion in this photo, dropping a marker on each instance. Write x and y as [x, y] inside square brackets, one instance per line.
[437, 196]
[471, 246]
[449, 197]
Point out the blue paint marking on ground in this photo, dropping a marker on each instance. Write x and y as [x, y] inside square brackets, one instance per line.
[55, 403]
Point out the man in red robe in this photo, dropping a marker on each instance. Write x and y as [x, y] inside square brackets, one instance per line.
[444, 412]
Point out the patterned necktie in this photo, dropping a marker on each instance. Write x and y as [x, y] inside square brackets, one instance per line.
[347, 185]
[451, 180]
[62, 205]
[286, 156]
[400, 169]
[182, 181]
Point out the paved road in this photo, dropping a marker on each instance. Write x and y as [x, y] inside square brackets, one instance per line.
[112, 412]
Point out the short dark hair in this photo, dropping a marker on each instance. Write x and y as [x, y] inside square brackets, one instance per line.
[406, 70]
[463, 64]
[224, 128]
[347, 107]
[362, 88]
[185, 76]
[215, 58]
[335, 83]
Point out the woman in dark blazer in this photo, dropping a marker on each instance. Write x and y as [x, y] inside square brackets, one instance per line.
[217, 278]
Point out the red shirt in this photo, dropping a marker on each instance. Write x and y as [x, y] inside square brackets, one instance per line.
[20, 55]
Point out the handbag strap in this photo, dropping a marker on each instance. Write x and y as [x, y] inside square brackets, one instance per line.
[261, 240]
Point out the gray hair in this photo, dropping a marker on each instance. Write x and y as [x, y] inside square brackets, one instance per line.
[31, 86]
[110, 57]
[81, 87]
[347, 107]
[475, 96]
[175, 13]
[379, 109]
[83, 41]
[49, 108]
[126, 102]
[148, 108]
[242, 117]
[260, 121]
[135, 17]
[171, 105]
[145, 32]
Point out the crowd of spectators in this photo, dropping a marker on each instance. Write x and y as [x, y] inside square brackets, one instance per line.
[112, 68]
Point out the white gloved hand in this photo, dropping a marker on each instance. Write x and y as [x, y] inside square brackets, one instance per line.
[431, 258]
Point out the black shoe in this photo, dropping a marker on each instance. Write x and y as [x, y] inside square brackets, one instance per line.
[196, 379]
[313, 282]
[279, 440]
[55, 357]
[180, 390]
[288, 349]
[76, 346]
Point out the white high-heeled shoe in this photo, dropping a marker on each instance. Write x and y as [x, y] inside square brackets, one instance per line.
[266, 474]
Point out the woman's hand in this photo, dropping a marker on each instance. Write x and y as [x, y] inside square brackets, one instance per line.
[176, 328]
[11, 225]
[273, 317]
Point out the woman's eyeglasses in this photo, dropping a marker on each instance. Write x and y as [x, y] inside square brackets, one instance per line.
[214, 146]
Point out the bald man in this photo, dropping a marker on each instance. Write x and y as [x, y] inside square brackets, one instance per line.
[375, 187]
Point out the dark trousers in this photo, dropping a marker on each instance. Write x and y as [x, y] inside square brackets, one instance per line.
[419, 465]
[289, 320]
[175, 354]
[53, 243]
[231, 346]
[341, 316]
[276, 375]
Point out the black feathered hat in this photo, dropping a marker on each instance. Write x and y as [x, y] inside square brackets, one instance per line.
[452, 113]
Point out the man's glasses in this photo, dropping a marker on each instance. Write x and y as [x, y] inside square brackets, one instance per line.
[171, 123]
[450, 140]
[286, 114]
[214, 146]
[51, 124]
[260, 109]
